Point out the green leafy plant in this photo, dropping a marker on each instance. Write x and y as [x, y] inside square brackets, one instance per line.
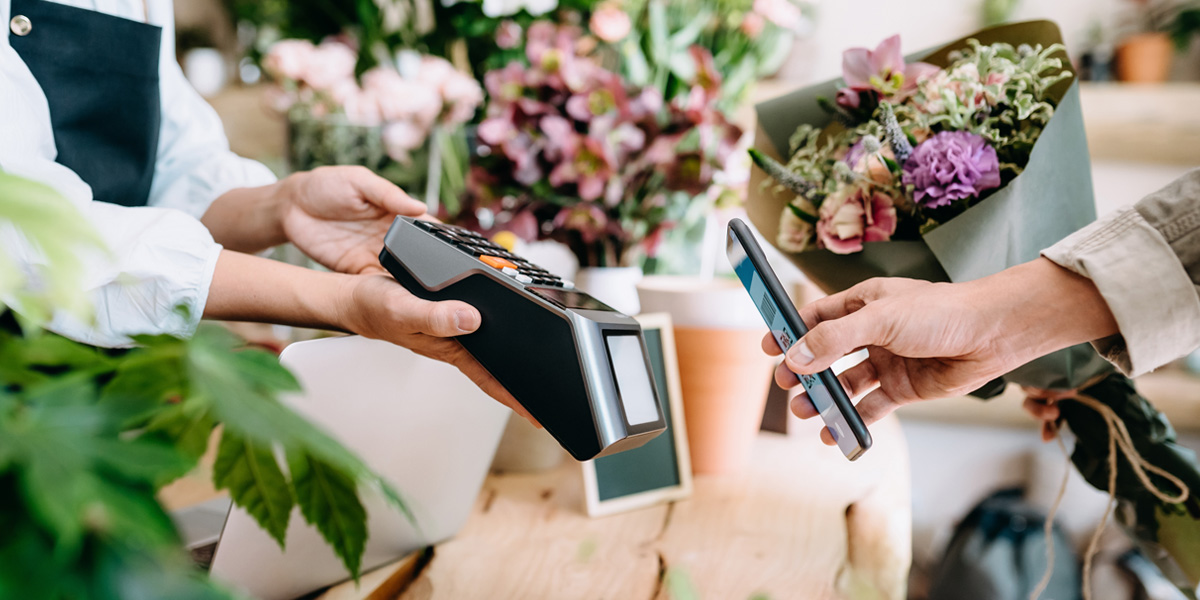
[88, 436]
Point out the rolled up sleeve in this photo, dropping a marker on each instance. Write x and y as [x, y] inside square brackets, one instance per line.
[154, 279]
[1141, 268]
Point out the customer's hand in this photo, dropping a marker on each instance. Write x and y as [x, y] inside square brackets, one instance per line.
[375, 306]
[338, 216]
[935, 340]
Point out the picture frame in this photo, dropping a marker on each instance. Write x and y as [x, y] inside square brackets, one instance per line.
[661, 470]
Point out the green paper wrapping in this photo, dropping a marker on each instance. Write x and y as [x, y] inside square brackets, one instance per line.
[1049, 200]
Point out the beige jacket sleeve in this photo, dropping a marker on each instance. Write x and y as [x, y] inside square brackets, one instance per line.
[1145, 260]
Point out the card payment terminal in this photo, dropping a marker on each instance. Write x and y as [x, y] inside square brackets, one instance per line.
[578, 366]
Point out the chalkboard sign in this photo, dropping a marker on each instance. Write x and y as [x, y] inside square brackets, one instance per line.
[660, 470]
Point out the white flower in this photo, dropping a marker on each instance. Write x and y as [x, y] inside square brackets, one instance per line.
[401, 138]
[330, 64]
[795, 234]
[504, 8]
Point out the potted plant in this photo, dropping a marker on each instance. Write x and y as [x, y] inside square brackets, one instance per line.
[574, 152]
[1145, 55]
[88, 436]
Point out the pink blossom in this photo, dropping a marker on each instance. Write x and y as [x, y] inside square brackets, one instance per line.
[362, 108]
[507, 84]
[610, 22]
[783, 13]
[400, 99]
[586, 218]
[853, 215]
[883, 70]
[508, 35]
[435, 71]
[329, 64]
[753, 24]
[463, 95]
[586, 164]
[289, 59]
[402, 137]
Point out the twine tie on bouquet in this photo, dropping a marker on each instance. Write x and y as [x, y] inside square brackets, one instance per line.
[1118, 437]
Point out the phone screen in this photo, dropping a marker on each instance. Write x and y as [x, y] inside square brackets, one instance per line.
[818, 392]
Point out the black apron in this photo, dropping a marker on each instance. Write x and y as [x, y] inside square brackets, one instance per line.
[100, 77]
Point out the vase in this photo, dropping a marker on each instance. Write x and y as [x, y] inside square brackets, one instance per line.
[1145, 58]
[724, 377]
[723, 373]
[614, 286]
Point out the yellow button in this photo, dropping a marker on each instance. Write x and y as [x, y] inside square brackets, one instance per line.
[20, 25]
[496, 262]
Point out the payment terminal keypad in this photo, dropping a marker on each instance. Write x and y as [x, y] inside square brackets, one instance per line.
[494, 255]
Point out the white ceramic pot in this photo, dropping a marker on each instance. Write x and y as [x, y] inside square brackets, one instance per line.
[614, 286]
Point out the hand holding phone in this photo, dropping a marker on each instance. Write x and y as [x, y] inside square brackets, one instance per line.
[824, 390]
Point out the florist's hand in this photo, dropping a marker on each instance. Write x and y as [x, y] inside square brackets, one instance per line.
[338, 216]
[934, 340]
[375, 306]
[1046, 411]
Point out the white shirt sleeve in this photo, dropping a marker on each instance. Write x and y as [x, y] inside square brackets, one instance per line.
[160, 259]
[195, 165]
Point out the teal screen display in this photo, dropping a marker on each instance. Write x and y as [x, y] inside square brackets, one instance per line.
[818, 393]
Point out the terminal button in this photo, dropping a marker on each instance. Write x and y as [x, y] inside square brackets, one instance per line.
[496, 262]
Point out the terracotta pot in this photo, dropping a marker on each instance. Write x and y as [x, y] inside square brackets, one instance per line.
[724, 376]
[1145, 58]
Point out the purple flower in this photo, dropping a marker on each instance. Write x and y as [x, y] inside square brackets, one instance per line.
[950, 166]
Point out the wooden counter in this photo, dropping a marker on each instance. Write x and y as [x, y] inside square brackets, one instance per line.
[800, 522]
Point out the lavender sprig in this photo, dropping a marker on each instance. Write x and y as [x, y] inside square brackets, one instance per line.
[901, 148]
[796, 184]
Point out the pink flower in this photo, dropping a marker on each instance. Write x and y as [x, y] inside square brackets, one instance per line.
[435, 71]
[584, 163]
[780, 12]
[586, 218]
[289, 59]
[507, 84]
[400, 99]
[361, 107]
[401, 138]
[610, 22]
[753, 24]
[463, 95]
[883, 70]
[508, 35]
[330, 64]
[853, 215]
[795, 234]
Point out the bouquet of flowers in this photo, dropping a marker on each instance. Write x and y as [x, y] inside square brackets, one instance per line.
[953, 168]
[384, 120]
[573, 151]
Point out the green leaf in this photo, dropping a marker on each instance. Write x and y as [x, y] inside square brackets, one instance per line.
[683, 66]
[187, 425]
[637, 69]
[328, 500]
[252, 476]
[796, 184]
[660, 48]
[53, 227]
[803, 216]
[685, 37]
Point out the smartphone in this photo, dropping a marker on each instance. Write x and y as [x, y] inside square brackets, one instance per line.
[824, 390]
